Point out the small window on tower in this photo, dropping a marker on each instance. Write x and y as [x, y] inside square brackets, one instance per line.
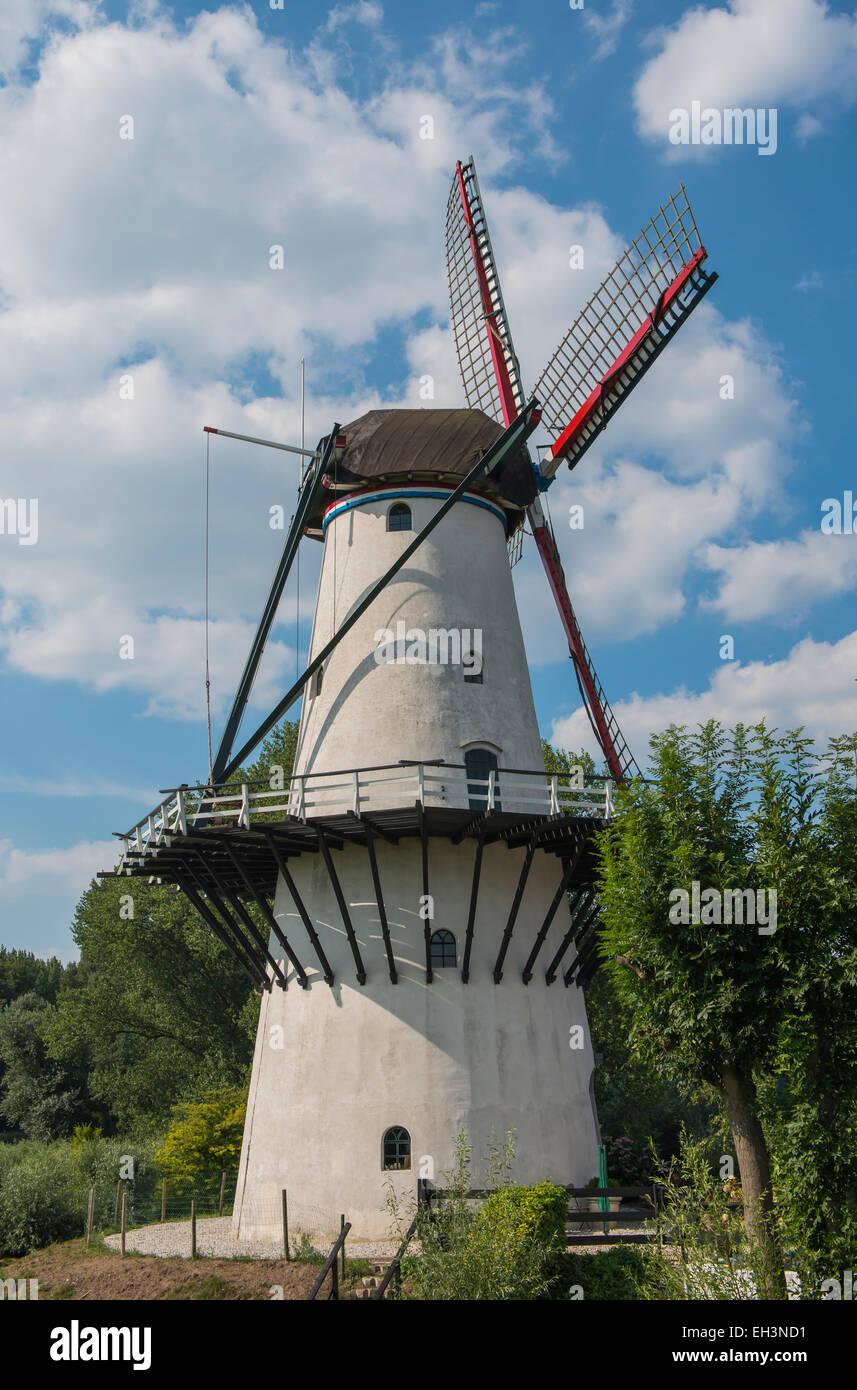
[315, 683]
[399, 518]
[443, 953]
[397, 1149]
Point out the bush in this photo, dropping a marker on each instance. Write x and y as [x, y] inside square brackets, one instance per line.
[40, 1200]
[611, 1274]
[206, 1137]
[508, 1249]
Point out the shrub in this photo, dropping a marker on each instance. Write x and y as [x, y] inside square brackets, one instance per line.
[40, 1200]
[611, 1274]
[507, 1249]
[206, 1137]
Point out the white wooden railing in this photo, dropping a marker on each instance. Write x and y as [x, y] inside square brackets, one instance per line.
[367, 790]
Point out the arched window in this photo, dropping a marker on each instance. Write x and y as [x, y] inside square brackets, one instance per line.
[479, 762]
[443, 952]
[397, 1149]
[399, 518]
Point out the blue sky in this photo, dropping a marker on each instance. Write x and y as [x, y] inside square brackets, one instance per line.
[300, 127]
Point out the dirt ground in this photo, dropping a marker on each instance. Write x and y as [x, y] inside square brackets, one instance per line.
[70, 1271]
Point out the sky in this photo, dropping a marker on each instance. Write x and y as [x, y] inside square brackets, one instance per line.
[138, 303]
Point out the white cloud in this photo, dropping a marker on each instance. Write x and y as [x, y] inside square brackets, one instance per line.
[648, 525]
[760, 53]
[781, 579]
[606, 28]
[55, 870]
[813, 687]
[167, 280]
[24, 21]
[812, 281]
[364, 12]
[75, 788]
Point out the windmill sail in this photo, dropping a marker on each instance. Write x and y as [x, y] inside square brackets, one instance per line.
[486, 357]
[650, 292]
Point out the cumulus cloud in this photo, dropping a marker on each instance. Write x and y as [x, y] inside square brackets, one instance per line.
[780, 579]
[606, 28]
[56, 869]
[153, 310]
[680, 465]
[812, 687]
[759, 53]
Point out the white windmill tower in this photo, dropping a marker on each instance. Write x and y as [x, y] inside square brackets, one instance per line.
[417, 870]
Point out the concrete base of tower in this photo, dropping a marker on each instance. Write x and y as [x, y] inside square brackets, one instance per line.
[336, 1068]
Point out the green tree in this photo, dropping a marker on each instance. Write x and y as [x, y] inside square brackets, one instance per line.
[41, 1096]
[205, 1138]
[722, 1004]
[158, 1007]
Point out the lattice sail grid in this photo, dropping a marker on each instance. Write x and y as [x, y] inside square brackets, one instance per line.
[471, 323]
[617, 311]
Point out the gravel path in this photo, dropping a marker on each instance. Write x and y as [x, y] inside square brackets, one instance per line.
[214, 1237]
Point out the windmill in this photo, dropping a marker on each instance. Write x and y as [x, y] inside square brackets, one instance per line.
[423, 882]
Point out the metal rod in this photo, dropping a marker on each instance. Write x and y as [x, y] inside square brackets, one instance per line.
[382, 913]
[513, 911]
[426, 895]
[471, 915]
[267, 914]
[299, 904]
[286, 1226]
[343, 907]
[222, 1190]
[229, 933]
[245, 917]
[255, 977]
[269, 443]
[568, 869]
[290, 547]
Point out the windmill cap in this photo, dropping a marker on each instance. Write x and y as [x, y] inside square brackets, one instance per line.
[429, 445]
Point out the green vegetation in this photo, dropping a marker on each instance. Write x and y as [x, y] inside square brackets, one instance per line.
[619, 1273]
[508, 1247]
[205, 1139]
[727, 1009]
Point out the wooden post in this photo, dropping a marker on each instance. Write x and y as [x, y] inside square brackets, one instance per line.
[334, 1273]
[285, 1225]
[163, 1200]
[342, 1251]
[90, 1213]
[118, 1202]
[193, 1228]
[222, 1190]
[124, 1221]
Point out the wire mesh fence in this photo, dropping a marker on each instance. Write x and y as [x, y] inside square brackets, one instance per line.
[151, 1215]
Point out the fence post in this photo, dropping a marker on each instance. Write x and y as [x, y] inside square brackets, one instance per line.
[124, 1221]
[193, 1228]
[163, 1200]
[118, 1202]
[285, 1225]
[334, 1270]
[342, 1250]
[90, 1213]
[222, 1190]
